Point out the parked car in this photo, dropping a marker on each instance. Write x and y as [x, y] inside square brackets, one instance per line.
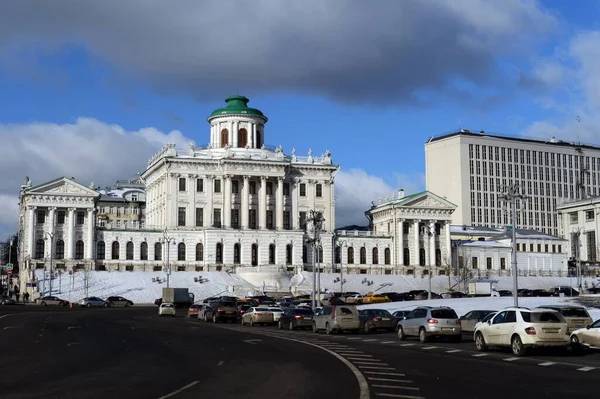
[158, 301]
[400, 315]
[166, 309]
[193, 310]
[219, 311]
[355, 299]
[93, 301]
[588, 336]
[505, 293]
[6, 300]
[425, 295]
[564, 290]
[521, 329]
[294, 318]
[427, 322]
[375, 298]
[540, 293]
[257, 316]
[119, 301]
[576, 316]
[470, 319]
[397, 296]
[336, 319]
[593, 290]
[51, 301]
[485, 319]
[276, 313]
[376, 319]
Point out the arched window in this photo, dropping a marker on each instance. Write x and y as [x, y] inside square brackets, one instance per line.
[259, 139]
[320, 254]
[181, 251]
[224, 137]
[375, 256]
[79, 249]
[271, 254]
[350, 255]
[438, 257]
[59, 252]
[304, 254]
[157, 251]
[363, 256]
[338, 254]
[387, 256]
[114, 250]
[101, 250]
[406, 257]
[254, 255]
[129, 250]
[144, 251]
[242, 138]
[422, 257]
[289, 251]
[219, 254]
[39, 249]
[237, 253]
[199, 252]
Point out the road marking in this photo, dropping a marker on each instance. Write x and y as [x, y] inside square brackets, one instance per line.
[480, 355]
[354, 338]
[73, 327]
[426, 348]
[191, 384]
[5, 315]
[371, 362]
[395, 387]
[390, 380]
[369, 340]
[252, 341]
[545, 364]
[407, 344]
[220, 363]
[454, 351]
[385, 373]
[72, 343]
[11, 327]
[388, 342]
[377, 367]
[586, 369]
[511, 359]
[353, 354]
[391, 395]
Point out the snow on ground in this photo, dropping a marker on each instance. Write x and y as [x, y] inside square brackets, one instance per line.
[139, 287]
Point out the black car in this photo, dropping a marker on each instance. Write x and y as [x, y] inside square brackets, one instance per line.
[294, 318]
[540, 293]
[118, 301]
[397, 296]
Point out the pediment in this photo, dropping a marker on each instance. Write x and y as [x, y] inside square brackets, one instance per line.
[430, 201]
[63, 186]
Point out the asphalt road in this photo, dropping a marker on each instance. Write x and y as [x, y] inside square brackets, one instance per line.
[132, 353]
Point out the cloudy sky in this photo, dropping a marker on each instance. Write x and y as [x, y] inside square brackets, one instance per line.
[90, 89]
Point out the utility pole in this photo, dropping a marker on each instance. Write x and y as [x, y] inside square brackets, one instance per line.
[317, 223]
[578, 232]
[427, 233]
[511, 194]
[167, 241]
[51, 236]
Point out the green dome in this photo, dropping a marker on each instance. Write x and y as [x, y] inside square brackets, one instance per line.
[237, 105]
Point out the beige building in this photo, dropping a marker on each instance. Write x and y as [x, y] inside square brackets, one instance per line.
[471, 169]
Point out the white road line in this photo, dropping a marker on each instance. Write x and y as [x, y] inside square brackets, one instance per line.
[220, 363]
[72, 343]
[73, 327]
[395, 387]
[407, 345]
[377, 367]
[191, 384]
[546, 364]
[480, 355]
[358, 359]
[454, 351]
[511, 359]
[390, 380]
[426, 348]
[369, 340]
[388, 342]
[354, 354]
[385, 373]
[371, 362]
[354, 338]
[586, 369]
[11, 327]
[392, 395]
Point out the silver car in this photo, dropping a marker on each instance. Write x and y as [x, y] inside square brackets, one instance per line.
[337, 319]
[93, 302]
[427, 322]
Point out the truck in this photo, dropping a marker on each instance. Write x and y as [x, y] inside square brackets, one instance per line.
[482, 289]
[180, 297]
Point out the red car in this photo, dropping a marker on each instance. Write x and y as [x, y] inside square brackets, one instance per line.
[193, 311]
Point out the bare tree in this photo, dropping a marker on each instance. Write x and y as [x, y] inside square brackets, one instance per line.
[464, 266]
[88, 280]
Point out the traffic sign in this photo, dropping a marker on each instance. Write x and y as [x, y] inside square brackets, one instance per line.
[9, 266]
[9, 272]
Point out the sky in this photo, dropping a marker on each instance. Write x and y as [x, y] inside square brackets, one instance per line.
[91, 89]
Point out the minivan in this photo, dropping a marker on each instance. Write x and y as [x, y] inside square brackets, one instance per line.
[337, 318]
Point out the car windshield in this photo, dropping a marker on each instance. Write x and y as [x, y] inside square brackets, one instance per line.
[227, 304]
[542, 317]
[444, 314]
[167, 305]
[261, 309]
[276, 310]
[574, 312]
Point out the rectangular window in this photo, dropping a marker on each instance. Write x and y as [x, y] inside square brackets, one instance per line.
[489, 263]
[302, 220]
[503, 263]
[253, 187]
[302, 189]
[235, 218]
[591, 246]
[182, 184]
[270, 224]
[134, 197]
[80, 217]
[217, 217]
[199, 185]
[60, 218]
[118, 224]
[199, 217]
[286, 188]
[181, 216]
[545, 247]
[41, 216]
[235, 187]
[589, 215]
[319, 190]
[530, 247]
[559, 249]
[269, 188]
[252, 218]
[539, 247]
[286, 220]
[474, 262]
[217, 185]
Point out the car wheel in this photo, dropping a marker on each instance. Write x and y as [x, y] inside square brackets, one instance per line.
[89, 305]
[205, 318]
[423, 336]
[105, 305]
[280, 325]
[44, 304]
[214, 319]
[242, 321]
[251, 322]
[517, 346]
[575, 344]
[291, 326]
[367, 328]
[480, 342]
[314, 328]
[3, 303]
[327, 329]
[401, 334]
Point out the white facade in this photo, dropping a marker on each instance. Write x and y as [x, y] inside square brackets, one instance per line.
[579, 223]
[471, 170]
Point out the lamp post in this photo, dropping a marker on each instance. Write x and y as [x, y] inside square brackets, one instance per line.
[10, 244]
[578, 232]
[316, 218]
[340, 244]
[427, 234]
[511, 195]
[51, 237]
[167, 241]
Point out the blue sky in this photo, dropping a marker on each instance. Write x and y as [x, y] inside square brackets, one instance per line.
[371, 85]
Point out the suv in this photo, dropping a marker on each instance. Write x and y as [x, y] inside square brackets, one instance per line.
[577, 317]
[220, 310]
[336, 318]
[426, 322]
[521, 329]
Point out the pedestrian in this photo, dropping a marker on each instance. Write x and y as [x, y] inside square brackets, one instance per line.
[17, 295]
[26, 297]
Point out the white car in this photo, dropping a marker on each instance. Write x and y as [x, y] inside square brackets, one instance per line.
[522, 328]
[588, 336]
[277, 312]
[166, 309]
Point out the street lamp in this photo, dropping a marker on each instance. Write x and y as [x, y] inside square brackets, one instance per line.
[317, 219]
[427, 234]
[167, 241]
[341, 244]
[51, 237]
[511, 194]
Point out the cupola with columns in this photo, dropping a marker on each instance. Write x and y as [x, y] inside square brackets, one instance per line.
[237, 125]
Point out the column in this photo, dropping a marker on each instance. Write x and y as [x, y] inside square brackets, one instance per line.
[254, 136]
[236, 128]
[90, 235]
[327, 214]
[230, 141]
[31, 231]
[294, 212]
[415, 250]
[245, 202]
[279, 205]
[400, 243]
[448, 239]
[432, 242]
[310, 192]
[208, 207]
[70, 234]
[262, 204]
[52, 241]
[226, 201]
